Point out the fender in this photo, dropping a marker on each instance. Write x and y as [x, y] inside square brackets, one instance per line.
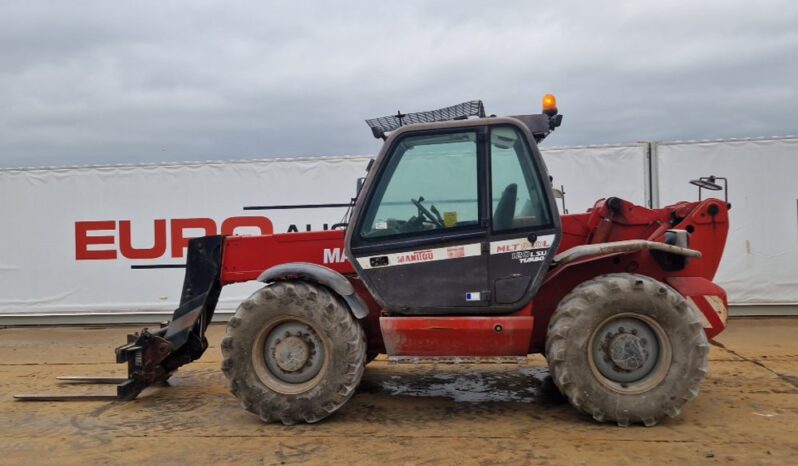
[321, 275]
[707, 298]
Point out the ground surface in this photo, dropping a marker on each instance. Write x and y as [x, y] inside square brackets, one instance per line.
[747, 412]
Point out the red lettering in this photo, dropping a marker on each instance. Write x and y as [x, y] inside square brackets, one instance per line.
[158, 248]
[264, 224]
[177, 237]
[179, 241]
[417, 256]
[83, 240]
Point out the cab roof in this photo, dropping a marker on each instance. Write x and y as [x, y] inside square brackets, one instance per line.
[465, 114]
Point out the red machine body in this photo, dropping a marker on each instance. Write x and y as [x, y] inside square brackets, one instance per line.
[521, 332]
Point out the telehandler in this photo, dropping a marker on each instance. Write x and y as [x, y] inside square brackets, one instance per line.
[455, 251]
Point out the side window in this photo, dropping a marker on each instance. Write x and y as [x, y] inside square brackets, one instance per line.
[430, 183]
[517, 197]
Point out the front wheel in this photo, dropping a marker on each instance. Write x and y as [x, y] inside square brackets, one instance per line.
[627, 348]
[293, 353]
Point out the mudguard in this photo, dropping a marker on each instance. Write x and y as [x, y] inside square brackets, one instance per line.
[707, 298]
[323, 276]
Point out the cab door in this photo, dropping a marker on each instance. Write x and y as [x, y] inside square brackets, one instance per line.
[418, 236]
[525, 227]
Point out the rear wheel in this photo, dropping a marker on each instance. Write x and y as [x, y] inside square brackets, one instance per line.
[293, 353]
[627, 348]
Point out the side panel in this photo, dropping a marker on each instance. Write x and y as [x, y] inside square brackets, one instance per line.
[430, 278]
[457, 336]
[246, 257]
[518, 266]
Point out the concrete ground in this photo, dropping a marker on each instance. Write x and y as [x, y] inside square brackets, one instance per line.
[747, 412]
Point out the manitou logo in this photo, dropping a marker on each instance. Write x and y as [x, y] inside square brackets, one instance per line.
[417, 256]
[109, 239]
[334, 256]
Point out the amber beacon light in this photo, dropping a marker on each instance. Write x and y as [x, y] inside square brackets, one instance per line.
[549, 104]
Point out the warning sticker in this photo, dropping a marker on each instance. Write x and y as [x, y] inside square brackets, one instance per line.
[455, 252]
[449, 219]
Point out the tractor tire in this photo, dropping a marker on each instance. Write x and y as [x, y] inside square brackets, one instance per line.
[626, 348]
[293, 353]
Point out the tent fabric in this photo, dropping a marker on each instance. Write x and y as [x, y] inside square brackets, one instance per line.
[590, 173]
[760, 261]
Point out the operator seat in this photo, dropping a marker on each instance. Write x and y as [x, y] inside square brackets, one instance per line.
[505, 209]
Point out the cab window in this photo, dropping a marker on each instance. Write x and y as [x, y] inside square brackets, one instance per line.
[517, 197]
[430, 184]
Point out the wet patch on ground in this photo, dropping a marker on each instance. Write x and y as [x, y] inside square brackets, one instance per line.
[467, 384]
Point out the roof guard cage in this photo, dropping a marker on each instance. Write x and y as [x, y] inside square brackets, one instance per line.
[382, 125]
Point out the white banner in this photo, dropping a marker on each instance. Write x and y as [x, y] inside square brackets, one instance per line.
[760, 262]
[79, 240]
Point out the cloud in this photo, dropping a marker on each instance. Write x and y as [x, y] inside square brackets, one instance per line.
[118, 82]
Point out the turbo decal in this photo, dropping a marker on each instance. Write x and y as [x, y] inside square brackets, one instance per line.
[520, 244]
[526, 257]
[420, 256]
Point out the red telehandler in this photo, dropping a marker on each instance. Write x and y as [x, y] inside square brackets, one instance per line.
[454, 250]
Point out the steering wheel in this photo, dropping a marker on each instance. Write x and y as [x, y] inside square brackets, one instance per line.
[426, 213]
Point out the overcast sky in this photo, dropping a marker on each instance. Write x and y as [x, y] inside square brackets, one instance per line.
[117, 82]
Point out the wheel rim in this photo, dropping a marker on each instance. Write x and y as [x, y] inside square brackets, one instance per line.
[629, 353]
[290, 356]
